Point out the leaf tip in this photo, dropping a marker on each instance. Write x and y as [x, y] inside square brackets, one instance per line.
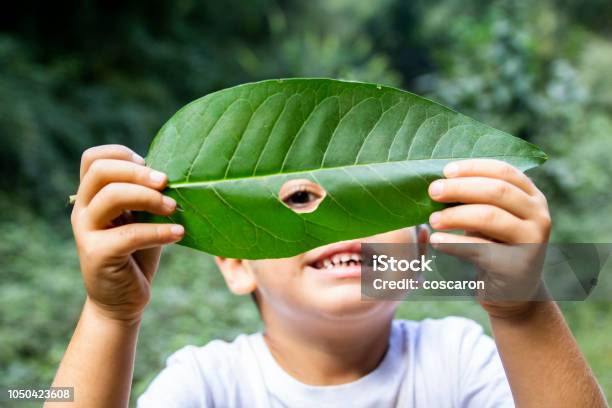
[543, 157]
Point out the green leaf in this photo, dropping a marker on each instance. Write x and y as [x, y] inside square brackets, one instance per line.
[373, 149]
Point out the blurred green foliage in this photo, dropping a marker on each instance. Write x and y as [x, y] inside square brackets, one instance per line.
[76, 74]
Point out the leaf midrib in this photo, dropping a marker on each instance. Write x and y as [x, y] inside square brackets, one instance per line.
[437, 159]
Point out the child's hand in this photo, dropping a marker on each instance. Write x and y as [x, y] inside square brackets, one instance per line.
[500, 205]
[119, 258]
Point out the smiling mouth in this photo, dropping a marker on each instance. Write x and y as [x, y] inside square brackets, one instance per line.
[338, 260]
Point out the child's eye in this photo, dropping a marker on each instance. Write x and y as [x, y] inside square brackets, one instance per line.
[301, 196]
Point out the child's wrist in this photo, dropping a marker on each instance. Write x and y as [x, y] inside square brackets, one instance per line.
[513, 311]
[117, 318]
[516, 310]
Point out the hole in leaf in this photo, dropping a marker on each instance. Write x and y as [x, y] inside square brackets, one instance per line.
[301, 195]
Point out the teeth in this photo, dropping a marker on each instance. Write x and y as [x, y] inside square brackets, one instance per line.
[339, 260]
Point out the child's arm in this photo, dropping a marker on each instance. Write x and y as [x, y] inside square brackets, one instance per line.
[542, 361]
[118, 260]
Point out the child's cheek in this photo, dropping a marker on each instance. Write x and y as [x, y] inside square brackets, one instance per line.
[276, 273]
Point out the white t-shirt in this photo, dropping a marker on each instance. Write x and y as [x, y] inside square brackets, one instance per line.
[433, 363]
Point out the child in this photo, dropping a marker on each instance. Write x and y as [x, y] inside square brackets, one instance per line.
[322, 345]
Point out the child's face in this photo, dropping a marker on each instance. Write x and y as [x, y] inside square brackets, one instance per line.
[324, 282]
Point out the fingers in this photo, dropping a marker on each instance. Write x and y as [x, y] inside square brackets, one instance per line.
[129, 238]
[115, 198]
[496, 169]
[468, 248]
[489, 220]
[105, 171]
[445, 238]
[498, 258]
[483, 190]
[501, 202]
[111, 151]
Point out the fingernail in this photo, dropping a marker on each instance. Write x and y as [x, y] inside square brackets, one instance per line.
[177, 230]
[138, 158]
[451, 170]
[434, 218]
[435, 189]
[157, 177]
[169, 203]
